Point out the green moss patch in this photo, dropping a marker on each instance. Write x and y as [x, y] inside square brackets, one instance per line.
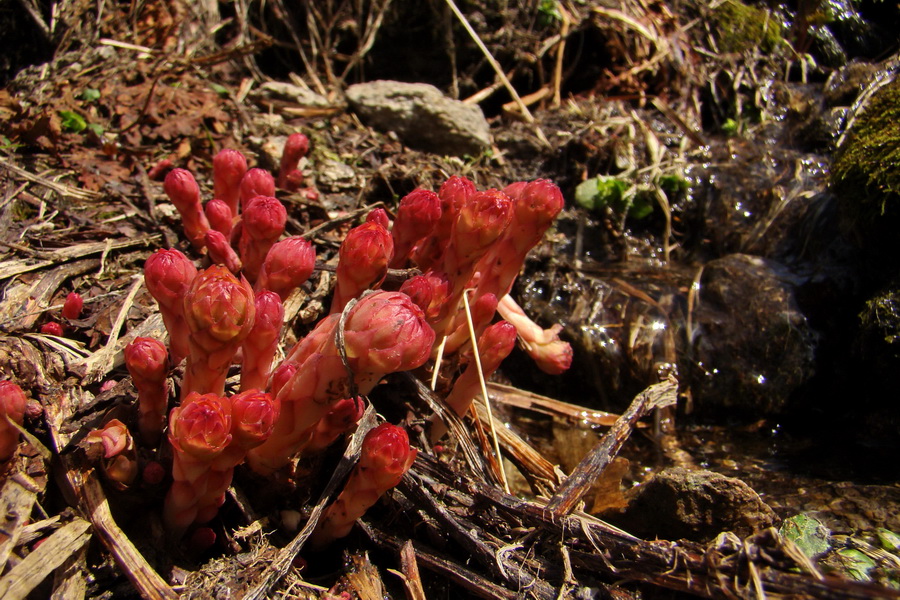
[741, 27]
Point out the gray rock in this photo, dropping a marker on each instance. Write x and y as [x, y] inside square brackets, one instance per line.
[421, 116]
[697, 505]
[752, 347]
[289, 92]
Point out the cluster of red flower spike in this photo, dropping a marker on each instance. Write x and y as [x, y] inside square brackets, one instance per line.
[463, 241]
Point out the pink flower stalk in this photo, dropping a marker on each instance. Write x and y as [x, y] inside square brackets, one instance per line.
[343, 415]
[52, 328]
[417, 216]
[454, 194]
[535, 206]
[72, 307]
[288, 264]
[199, 432]
[119, 455]
[219, 311]
[494, 345]
[182, 189]
[383, 333]
[482, 310]
[261, 226]
[551, 354]
[481, 222]
[210, 435]
[221, 252]
[362, 263]
[262, 343]
[386, 456]
[295, 148]
[147, 362]
[256, 182]
[380, 216]
[168, 275]
[12, 410]
[220, 217]
[229, 167]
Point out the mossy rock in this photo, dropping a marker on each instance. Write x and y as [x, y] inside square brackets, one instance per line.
[741, 27]
[866, 169]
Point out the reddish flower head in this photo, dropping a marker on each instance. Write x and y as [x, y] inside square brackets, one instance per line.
[253, 416]
[52, 328]
[182, 189]
[256, 182]
[220, 216]
[146, 359]
[363, 262]
[380, 216]
[387, 332]
[168, 275]
[387, 455]
[201, 426]
[219, 309]
[264, 218]
[288, 264]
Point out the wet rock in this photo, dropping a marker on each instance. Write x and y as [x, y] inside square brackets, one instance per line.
[752, 347]
[678, 503]
[421, 116]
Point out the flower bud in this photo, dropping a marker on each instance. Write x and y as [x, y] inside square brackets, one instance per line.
[417, 216]
[454, 194]
[380, 216]
[295, 148]
[52, 328]
[146, 359]
[182, 189]
[221, 252]
[201, 426]
[256, 182]
[288, 264]
[253, 416]
[261, 226]
[229, 167]
[12, 405]
[428, 292]
[220, 216]
[119, 458]
[362, 262]
[168, 275]
[387, 455]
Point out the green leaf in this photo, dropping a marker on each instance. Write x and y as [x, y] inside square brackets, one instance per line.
[810, 535]
[221, 90]
[856, 564]
[641, 207]
[72, 121]
[96, 129]
[585, 193]
[888, 540]
[90, 95]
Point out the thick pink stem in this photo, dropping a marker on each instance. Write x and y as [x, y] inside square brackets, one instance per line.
[343, 415]
[262, 343]
[182, 189]
[229, 167]
[168, 275]
[147, 362]
[220, 217]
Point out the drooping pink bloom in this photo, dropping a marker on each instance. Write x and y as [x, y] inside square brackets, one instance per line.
[262, 343]
[288, 264]
[72, 306]
[229, 167]
[383, 333]
[168, 275]
[119, 455]
[256, 182]
[417, 216]
[343, 415]
[219, 310]
[494, 345]
[295, 148]
[261, 226]
[147, 362]
[551, 354]
[362, 263]
[12, 406]
[386, 456]
[182, 189]
[220, 217]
